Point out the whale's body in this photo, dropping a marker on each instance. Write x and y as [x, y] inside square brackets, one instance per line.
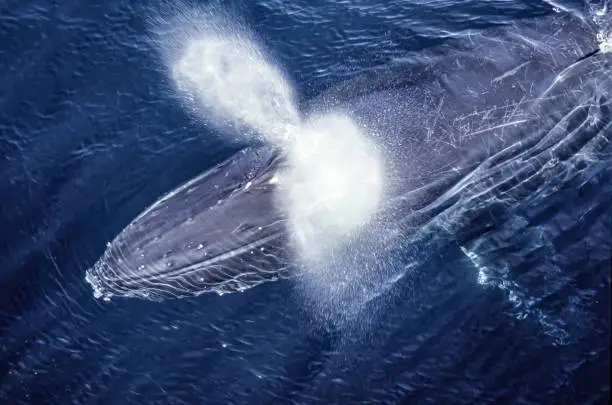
[492, 116]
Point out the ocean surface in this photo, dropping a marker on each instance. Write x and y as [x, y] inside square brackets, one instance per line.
[510, 306]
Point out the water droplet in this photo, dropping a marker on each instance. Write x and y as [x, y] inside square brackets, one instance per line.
[141, 267]
[169, 264]
[200, 246]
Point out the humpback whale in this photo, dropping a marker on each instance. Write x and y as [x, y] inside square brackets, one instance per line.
[476, 125]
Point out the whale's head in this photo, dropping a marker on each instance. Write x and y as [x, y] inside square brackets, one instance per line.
[219, 232]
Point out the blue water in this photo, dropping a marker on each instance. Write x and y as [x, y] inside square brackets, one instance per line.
[90, 135]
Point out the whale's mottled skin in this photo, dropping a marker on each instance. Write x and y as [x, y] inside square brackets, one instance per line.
[488, 117]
